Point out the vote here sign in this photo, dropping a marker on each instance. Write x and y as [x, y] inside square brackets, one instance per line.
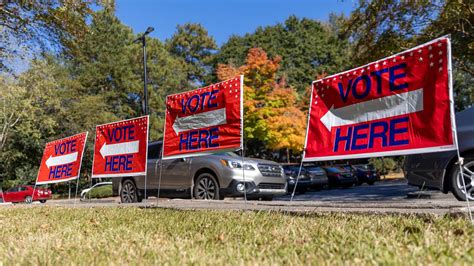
[401, 104]
[62, 159]
[121, 148]
[205, 120]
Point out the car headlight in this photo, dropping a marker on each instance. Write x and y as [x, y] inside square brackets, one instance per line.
[237, 165]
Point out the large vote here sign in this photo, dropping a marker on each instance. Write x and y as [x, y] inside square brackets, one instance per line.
[204, 121]
[399, 105]
[62, 159]
[121, 148]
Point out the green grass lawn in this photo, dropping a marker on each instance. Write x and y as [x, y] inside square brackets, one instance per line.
[48, 235]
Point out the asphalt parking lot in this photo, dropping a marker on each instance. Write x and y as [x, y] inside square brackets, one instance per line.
[389, 196]
[387, 190]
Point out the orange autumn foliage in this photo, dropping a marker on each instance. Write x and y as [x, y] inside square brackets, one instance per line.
[271, 113]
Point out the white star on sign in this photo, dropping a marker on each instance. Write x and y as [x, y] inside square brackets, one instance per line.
[420, 59]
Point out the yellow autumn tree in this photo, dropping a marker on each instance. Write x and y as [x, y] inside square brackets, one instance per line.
[271, 113]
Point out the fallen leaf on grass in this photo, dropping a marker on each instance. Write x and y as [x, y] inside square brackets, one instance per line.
[221, 237]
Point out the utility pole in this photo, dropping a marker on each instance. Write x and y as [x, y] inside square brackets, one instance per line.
[142, 38]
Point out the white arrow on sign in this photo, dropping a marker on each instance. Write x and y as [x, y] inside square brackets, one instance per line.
[119, 148]
[207, 119]
[62, 159]
[393, 105]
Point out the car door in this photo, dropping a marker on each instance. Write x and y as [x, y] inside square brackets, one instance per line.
[22, 193]
[174, 172]
[154, 154]
[13, 194]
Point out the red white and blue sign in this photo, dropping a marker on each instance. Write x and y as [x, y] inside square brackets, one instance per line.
[205, 120]
[399, 105]
[121, 148]
[62, 159]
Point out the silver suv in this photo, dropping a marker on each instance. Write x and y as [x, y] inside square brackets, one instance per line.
[206, 177]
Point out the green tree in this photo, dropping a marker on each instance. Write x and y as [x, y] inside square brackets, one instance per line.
[384, 165]
[109, 69]
[307, 48]
[381, 28]
[35, 100]
[192, 44]
[27, 26]
[104, 65]
[166, 75]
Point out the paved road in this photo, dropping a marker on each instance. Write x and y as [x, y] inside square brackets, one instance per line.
[383, 197]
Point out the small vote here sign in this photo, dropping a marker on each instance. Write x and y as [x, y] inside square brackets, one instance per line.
[205, 120]
[62, 159]
[121, 148]
[398, 105]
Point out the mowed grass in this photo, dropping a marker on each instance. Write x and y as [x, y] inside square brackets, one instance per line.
[58, 236]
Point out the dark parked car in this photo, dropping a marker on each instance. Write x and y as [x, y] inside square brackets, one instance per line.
[439, 170]
[338, 176]
[291, 173]
[25, 193]
[317, 175]
[365, 173]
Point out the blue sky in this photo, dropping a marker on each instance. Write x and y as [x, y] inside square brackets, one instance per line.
[221, 18]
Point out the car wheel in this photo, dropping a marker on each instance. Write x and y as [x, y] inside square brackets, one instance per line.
[129, 192]
[43, 201]
[28, 200]
[457, 186]
[370, 183]
[206, 187]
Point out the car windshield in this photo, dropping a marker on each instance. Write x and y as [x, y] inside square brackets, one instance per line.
[333, 169]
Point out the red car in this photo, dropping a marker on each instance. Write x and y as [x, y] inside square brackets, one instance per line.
[24, 194]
